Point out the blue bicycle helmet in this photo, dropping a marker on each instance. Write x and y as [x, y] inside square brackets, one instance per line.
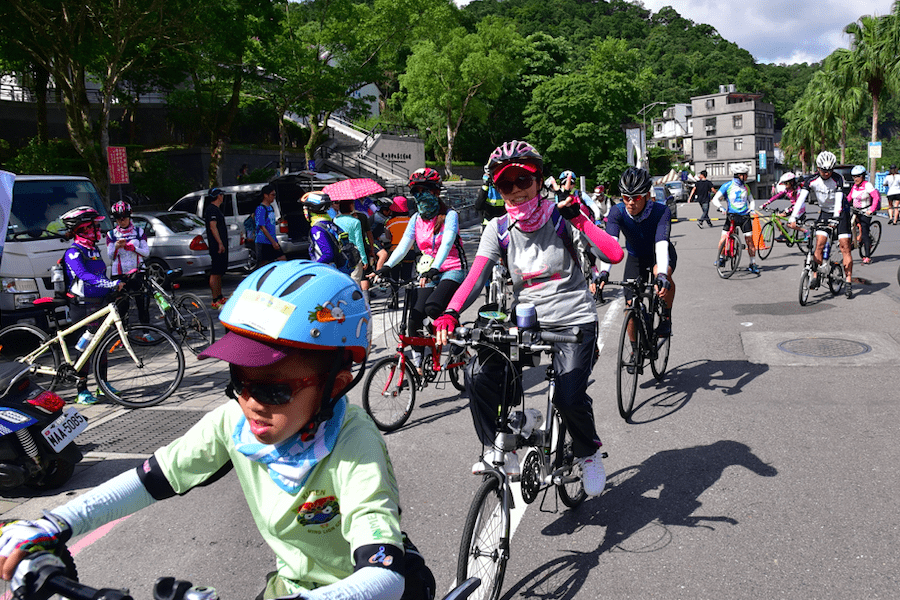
[564, 174]
[300, 304]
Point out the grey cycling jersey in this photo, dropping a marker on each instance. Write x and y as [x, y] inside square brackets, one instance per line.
[829, 193]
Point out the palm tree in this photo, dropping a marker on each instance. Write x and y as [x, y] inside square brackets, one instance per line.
[841, 98]
[872, 60]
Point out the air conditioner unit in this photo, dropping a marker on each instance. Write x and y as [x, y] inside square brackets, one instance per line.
[669, 113]
[722, 89]
[732, 88]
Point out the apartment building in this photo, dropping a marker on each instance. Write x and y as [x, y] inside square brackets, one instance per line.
[674, 130]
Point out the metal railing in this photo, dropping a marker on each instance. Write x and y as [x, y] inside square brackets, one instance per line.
[363, 167]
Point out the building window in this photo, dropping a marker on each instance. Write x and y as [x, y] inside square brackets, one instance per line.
[710, 126]
[738, 144]
[710, 103]
[659, 127]
[760, 121]
[716, 169]
[712, 149]
[737, 121]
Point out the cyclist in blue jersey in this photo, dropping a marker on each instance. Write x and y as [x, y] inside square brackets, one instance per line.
[739, 208]
[646, 226]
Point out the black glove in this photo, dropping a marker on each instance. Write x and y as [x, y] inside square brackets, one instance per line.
[603, 277]
[383, 272]
[834, 222]
[662, 282]
[430, 274]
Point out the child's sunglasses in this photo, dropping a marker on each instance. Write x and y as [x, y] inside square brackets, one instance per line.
[273, 393]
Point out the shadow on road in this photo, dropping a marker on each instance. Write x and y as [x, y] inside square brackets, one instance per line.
[638, 509]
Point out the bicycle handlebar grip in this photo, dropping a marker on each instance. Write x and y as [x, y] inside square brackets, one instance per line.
[563, 338]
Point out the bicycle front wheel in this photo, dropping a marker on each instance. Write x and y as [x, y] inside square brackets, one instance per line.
[156, 375]
[874, 237]
[196, 326]
[662, 345]
[484, 549]
[389, 393]
[571, 487]
[630, 363]
[18, 341]
[455, 369]
[804, 287]
[768, 240]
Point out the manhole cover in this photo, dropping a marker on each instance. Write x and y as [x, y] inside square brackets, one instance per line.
[138, 431]
[824, 347]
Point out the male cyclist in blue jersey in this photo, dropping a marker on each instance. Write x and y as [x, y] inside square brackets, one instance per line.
[312, 466]
[739, 208]
[646, 226]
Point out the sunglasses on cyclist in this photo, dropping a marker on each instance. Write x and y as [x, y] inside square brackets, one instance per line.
[272, 393]
[635, 198]
[522, 182]
[826, 170]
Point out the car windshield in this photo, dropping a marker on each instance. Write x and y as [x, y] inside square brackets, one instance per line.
[660, 194]
[180, 222]
[38, 205]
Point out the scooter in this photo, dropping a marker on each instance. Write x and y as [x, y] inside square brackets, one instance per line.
[36, 432]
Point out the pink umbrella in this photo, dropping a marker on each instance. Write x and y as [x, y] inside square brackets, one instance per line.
[352, 189]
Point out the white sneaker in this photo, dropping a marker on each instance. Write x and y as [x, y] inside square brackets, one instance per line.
[593, 475]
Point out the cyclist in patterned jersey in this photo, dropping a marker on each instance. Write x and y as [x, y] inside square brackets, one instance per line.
[545, 271]
[740, 206]
[828, 188]
[646, 226]
[313, 468]
[790, 192]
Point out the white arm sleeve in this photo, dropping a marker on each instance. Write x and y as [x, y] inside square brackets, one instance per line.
[369, 583]
[798, 206]
[838, 203]
[662, 257]
[717, 199]
[119, 497]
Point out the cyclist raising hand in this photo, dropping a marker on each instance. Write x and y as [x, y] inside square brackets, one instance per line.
[545, 271]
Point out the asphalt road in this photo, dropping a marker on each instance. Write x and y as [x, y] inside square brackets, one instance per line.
[749, 472]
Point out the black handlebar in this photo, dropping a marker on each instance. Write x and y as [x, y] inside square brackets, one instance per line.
[530, 340]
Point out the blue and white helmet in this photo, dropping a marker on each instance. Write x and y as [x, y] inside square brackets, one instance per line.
[301, 304]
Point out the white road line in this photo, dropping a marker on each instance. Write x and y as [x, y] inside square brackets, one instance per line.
[615, 309]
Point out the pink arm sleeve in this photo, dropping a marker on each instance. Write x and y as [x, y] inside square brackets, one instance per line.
[469, 284]
[604, 242]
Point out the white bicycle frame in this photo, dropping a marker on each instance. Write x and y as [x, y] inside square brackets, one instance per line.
[112, 317]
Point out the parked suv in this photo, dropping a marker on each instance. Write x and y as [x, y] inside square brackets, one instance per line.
[239, 207]
[35, 241]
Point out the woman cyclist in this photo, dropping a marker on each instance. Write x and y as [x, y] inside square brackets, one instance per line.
[865, 200]
[127, 247]
[545, 272]
[86, 275]
[434, 229]
[790, 192]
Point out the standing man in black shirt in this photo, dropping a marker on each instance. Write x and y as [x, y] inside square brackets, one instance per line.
[217, 240]
[703, 189]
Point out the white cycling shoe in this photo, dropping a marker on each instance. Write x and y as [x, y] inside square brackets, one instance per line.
[593, 475]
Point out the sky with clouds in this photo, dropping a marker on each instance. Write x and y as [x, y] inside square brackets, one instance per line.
[779, 31]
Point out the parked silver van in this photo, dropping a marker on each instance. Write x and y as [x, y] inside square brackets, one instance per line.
[35, 240]
[239, 204]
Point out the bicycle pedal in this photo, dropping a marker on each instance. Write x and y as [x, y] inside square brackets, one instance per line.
[604, 455]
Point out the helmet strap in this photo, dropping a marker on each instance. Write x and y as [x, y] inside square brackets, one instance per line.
[326, 406]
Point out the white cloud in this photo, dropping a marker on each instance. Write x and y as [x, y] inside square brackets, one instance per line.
[779, 31]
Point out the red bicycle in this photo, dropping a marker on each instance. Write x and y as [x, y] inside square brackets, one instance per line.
[389, 391]
[729, 258]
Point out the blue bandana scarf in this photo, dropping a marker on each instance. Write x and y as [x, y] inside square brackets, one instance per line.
[291, 461]
[428, 205]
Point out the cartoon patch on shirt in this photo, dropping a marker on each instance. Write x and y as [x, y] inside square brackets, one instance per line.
[327, 312]
[319, 511]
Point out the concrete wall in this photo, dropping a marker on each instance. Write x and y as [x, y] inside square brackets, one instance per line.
[408, 152]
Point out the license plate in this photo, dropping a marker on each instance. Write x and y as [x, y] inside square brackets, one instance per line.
[65, 428]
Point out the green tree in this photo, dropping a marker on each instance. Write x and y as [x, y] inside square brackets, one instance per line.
[451, 78]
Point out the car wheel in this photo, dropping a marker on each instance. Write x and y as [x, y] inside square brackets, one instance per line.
[156, 270]
[251, 259]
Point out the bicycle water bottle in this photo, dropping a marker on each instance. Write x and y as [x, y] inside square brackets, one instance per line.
[526, 316]
[82, 343]
[201, 593]
[58, 279]
[524, 423]
[161, 301]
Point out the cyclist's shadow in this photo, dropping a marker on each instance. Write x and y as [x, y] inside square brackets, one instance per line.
[638, 508]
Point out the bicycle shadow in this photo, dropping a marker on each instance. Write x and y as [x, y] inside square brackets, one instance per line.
[681, 383]
[659, 494]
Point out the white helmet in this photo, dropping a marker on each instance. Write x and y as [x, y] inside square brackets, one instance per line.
[739, 168]
[858, 170]
[826, 160]
[788, 176]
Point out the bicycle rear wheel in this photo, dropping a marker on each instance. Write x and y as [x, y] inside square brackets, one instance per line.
[196, 326]
[660, 358]
[874, 238]
[157, 375]
[571, 488]
[22, 339]
[768, 240]
[630, 363]
[484, 548]
[388, 394]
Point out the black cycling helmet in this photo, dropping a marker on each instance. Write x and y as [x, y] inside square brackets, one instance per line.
[635, 181]
[514, 152]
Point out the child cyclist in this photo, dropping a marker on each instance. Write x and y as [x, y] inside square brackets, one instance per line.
[545, 272]
[314, 470]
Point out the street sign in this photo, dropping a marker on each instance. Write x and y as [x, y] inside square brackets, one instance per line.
[874, 149]
[762, 160]
[118, 164]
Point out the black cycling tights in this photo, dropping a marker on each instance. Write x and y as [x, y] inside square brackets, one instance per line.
[429, 301]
